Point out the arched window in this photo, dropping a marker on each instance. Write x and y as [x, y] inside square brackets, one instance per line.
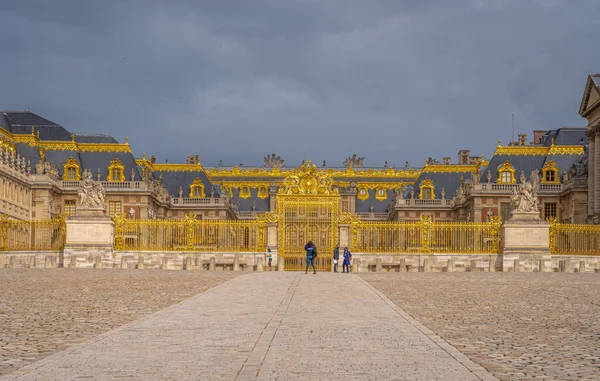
[380, 194]
[262, 192]
[426, 190]
[116, 171]
[506, 173]
[71, 170]
[363, 193]
[197, 189]
[244, 191]
[550, 173]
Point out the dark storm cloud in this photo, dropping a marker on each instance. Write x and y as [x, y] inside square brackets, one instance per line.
[234, 80]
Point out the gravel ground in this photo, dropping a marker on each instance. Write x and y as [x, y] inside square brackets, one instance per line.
[519, 326]
[43, 311]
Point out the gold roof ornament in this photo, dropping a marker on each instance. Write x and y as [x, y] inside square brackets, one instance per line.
[308, 181]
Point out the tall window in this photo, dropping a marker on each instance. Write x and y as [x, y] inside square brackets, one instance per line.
[505, 208]
[550, 172]
[71, 170]
[427, 194]
[197, 189]
[549, 210]
[506, 177]
[114, 208]
[116, 171]
[506, 173]
[69, 207]
[426, 190]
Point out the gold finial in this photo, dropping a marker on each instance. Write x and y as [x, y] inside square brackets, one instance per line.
[126, 139]
[32, 131]
[499, 142]
[482, 157]
[553, 141]
[144, 155]
[38, 134]
[73, 137]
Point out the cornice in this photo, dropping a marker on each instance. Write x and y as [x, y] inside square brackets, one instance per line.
[343, 173]
[451, 168]
[539, 150]
[34, 141]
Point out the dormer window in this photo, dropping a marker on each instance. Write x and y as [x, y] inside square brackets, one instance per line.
[380, 194]
[244, 192]
[116, 171]
[550, 173]
[506, 173]
[197, 189]
[262, 192]
[363, 194]
[71, 170]
[426, 190]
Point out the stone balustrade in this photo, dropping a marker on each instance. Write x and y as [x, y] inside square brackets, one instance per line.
[194, 202]
[509, 188]
[366, 216]
[419, 203]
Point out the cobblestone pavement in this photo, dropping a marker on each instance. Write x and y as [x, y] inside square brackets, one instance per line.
[517, 325]
[267, 326]
[43, 311]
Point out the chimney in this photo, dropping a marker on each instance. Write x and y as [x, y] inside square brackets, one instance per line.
[473, 160]
[446, 160]
[463, 156]
[152, 159]
[537, 136]
[193, 159]
[522, 139]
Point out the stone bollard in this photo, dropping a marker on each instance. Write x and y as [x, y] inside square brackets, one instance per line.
[516, 267]
[378, 265]
[563, 266]
[189, 263]
[165, 262]
[97, 261]
[450, 266]
[73, 262]
[124, 261]
[492, 265]
[403, 265]
[213, 264]
[32, 262]
[259, 263]
[541, 266]
[236, 262]
[581, 266]
[426, 265]
[473, 265]
[50, 261]
[11, 262]
[140, 264]
[280, 263]
[354, 266]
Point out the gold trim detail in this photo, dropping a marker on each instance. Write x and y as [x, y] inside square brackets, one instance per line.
[71, 164]
[360, 194]
[262, 192]
[380, 197]
[426, 184]
[308, 181]
[197, 184]
[245, 192]
[34, 141]
[116, 164]
[539, 150]
[343, 173]
[506, 167]
[450, 168]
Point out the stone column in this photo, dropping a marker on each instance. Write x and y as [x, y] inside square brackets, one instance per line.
[591, 167]
[596, 171]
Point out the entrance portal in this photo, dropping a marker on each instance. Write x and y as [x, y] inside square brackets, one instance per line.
[309, 209]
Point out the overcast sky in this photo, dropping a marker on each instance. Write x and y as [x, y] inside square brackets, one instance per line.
[321, 79]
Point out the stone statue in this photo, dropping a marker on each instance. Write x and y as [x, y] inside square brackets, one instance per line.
[212, 192]
[406, 165]
[253, 206]
[565, 176]
[324, 163]
[371, 208]
[489, 214]
[579, 169]
[460, 196]
[273, 160]
[132, 174]
[489, 177]
[98, 175]
[354, 162]
[131, 213]
[91, 193]
[180, 192]
[443, 194]
[522, 178]
[474, 179]
[525, 200]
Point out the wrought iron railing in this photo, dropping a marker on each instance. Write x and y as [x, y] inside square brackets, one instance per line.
[190, 234]
[427, 236]
[574, 239]
[32, 235]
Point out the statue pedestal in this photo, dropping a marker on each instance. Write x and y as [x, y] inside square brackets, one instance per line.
[526, 238]
[90, 234]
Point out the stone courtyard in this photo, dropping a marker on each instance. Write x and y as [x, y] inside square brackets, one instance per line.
[103, 324]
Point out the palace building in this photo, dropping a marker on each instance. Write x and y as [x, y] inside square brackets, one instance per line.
[42, 164]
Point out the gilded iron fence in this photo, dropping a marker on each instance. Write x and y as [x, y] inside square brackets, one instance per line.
[32, 235]
[427, 236]
[190, 234]
[574, 239]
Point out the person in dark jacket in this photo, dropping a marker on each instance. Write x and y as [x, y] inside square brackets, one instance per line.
[336, 257]
[311, 253]
[347, 258]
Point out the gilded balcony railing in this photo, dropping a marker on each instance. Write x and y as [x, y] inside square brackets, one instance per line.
[427, 236]
[32, 235]
[190, 234]
[574, 239]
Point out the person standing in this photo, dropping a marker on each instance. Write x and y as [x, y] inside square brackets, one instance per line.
[336, 257]
[311, 254]
[347, 258]
[270, 258]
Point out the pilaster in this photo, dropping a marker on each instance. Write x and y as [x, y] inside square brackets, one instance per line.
[596, 170]
[591, 168]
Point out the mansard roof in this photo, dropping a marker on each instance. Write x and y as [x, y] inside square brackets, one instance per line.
[379, 206]
[101, 160]
[172, 180]
[22, 122]
[565, 136]
[448, 181]
[245, 204]
[520, 163]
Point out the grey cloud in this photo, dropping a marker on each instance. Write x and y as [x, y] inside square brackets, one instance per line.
[233, 80]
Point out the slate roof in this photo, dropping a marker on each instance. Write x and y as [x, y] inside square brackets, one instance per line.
[596, 80]
[262, 205]
[101, 160]
[520, 163]
[363, 206]
[173, 180]
[449, 182]
[94, 138]
[21, 122]
[565, 136]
